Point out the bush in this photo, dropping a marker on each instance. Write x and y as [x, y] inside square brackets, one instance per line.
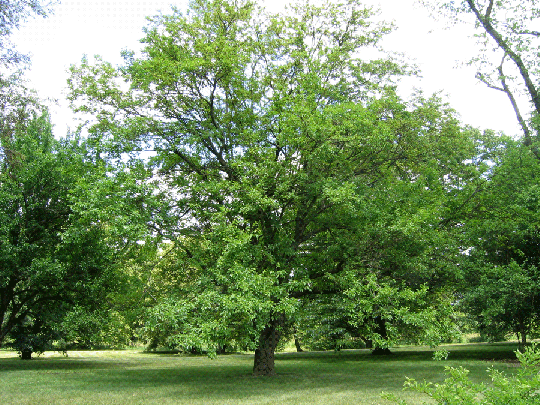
[522, 388]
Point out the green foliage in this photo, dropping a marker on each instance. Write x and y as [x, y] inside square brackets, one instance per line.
[441, 354]
[12, 14]
[288, 166]
[520, 388]
[104, 328]
[501, 276]
[50, 259]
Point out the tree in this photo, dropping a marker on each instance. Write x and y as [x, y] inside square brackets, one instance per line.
[18, 104]
[508, 60]
[505, 299]
[268, 132]
[502, 280]
[50, 260]
[502, 224]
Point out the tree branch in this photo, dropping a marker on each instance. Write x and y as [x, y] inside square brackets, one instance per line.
[492, 31]
[489, 9]
[506, 89]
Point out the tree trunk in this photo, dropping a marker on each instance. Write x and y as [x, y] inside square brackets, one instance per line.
[381, 330]
[263, 364]
[522, 336]
[379, 351]
[297, 344]
[26, 354]
[368, 343]
[297, 341]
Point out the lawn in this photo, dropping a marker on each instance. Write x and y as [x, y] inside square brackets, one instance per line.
[135, 377]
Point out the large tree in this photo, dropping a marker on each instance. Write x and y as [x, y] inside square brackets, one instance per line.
[271, 134]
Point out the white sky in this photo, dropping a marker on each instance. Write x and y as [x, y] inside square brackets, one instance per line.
[91, 27]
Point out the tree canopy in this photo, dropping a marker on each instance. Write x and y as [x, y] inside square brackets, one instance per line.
[50, 259]
[276, 138]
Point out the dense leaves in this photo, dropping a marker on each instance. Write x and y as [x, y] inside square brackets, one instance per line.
[503, 256]
[50, 260]
[291, 166]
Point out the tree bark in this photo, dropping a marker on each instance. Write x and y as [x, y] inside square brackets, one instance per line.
[522, 337]
[297, 341]
[486, 22]
[264, 359]
[26, 354]
[369, 343]
[297, 344]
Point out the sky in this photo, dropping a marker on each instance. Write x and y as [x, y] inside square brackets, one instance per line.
[106, 27]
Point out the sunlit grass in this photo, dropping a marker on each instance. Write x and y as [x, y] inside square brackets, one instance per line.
[135, 377]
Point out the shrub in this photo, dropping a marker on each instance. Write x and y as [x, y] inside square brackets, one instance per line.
[522, 388]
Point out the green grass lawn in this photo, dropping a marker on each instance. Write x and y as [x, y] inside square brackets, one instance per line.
[135, 377]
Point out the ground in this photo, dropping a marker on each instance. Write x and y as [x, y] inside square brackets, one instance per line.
[135, 377]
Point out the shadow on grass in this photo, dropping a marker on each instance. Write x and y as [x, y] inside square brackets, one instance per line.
[491, 351]
[36, 364]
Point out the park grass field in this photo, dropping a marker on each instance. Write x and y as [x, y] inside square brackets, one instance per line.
[136, 377]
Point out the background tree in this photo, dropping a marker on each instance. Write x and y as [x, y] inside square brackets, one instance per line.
[50, 259]
[17, 102]
[502, 224]
[268, 132]
[503, 256]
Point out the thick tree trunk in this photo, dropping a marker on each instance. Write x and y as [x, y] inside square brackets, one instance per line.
[264, 361]
[379, 351]
[26, 354]
[263, 364]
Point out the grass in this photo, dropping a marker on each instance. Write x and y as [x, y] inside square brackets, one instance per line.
[135, 377]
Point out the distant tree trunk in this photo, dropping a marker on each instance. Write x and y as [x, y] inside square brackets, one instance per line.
[381, 330]
[221, 349]
[523, 342]
[522, 337]
[263, 364]
[297, 341]
[297, 344]
[26, 354]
